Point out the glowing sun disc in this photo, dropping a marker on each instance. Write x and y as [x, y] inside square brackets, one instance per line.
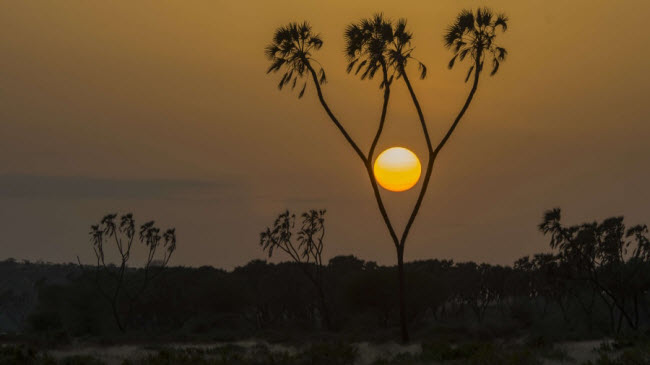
[397, 169]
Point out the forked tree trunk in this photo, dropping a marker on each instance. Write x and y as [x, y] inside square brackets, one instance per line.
[367, 160]
[427, 176]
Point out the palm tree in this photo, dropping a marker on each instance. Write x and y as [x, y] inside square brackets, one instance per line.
[367, 49]
[377, 44]
[291, 51]
[473, 36]
[366, 45]
[399, 54]
[470, 35]
[372, 45]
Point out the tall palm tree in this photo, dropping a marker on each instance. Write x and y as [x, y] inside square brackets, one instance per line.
[473, 36]
[371, 45]
[470, 35]
[377, 44]
[291, 50]
[366, 45]
[399, 54]
[365, 48]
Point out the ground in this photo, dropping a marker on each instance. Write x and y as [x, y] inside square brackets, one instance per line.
[579, 352]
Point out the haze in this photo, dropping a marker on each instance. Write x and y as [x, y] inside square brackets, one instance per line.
[164, 109]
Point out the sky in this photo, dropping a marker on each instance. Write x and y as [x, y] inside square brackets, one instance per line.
[164, 109]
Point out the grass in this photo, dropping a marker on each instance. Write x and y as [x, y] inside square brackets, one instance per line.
[622, 351]
[315, 354]
[474, 353]
[22, 354]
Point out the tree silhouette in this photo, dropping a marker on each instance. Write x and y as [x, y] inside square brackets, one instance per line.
[291, 50]
[381, 45]
[377, 43]
[308, 252]
[610, 257]
[113, 282]
[542, 292]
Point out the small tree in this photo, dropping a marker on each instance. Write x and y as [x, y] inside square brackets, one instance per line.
[308, 252]
[612, 258]
[119, 287]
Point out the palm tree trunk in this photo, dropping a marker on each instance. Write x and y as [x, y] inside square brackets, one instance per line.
[116, 317]
[636, 311]
[382, 119]
[366, 161]
[425, 183]
[331, 115]
[433, 154]
[402, 299]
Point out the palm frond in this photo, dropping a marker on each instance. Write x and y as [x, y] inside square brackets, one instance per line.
[472, 35]
[495, 66]
[484, 17]
[462, 54]
[291, 51]
[351, 65]
[423, 70]
[284, 77]
[453, 34]
[501, 53]
[275, 66]
[302, 92]
[450, 65]
[465, 21]
[360, 66]
[469, 73]
[322, 79]
[366, 44]
[502, 21]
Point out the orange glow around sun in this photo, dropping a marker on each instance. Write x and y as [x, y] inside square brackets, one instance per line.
[397, 169]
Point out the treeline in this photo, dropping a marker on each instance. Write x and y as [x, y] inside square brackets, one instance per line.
[594, 283]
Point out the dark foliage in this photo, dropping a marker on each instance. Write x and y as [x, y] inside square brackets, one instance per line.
[595, 283]
[120, 286]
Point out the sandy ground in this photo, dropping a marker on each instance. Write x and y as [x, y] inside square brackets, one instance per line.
[580, 352]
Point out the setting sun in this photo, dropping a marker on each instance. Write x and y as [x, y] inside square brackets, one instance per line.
[397, 169]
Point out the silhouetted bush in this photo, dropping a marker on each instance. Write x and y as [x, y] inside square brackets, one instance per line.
[553, 296]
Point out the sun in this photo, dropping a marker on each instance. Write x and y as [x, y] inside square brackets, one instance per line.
[397, 169]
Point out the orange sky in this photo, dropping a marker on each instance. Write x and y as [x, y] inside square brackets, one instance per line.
[164, 109]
